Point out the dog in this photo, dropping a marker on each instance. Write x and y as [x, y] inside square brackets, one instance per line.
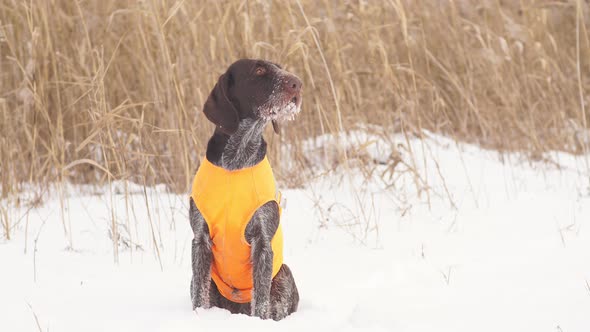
[234, 208]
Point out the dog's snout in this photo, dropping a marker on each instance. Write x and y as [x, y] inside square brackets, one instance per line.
[293, 84]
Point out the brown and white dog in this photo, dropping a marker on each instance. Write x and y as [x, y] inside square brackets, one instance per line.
[249, 95]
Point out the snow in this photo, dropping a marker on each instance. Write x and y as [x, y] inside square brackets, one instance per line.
[485, 245]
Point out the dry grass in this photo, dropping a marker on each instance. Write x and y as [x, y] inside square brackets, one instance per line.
[95, 91]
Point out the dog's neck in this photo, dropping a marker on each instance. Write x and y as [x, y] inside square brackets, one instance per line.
[244, 148]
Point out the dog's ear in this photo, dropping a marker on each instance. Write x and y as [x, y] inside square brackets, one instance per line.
[219, 109]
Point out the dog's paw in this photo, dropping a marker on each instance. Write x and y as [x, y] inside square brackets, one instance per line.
[199, 297]
[201, 305]
[262, 311]
[263, 314]
[279, 313]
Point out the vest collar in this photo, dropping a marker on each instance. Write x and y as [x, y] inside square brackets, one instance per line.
[206, 164]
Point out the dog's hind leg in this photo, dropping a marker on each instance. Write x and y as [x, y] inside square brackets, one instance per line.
[284, 297]
[201, 258]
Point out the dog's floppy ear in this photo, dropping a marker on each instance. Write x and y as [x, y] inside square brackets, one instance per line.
[219, 109]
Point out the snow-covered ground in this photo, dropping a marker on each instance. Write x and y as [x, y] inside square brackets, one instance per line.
[489, 246]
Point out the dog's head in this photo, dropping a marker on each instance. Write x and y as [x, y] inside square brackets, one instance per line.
[255, 89]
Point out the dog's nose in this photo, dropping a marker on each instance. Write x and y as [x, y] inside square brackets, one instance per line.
[293, 84]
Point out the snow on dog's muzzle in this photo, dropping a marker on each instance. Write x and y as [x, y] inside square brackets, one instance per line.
[285, 103]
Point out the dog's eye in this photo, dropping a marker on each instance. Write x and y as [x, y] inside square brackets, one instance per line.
[260, 71]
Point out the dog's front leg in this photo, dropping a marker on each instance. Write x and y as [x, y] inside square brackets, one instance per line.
[201, 258]
[259, 233]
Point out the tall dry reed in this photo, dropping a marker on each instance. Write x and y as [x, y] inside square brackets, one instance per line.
[95, 91]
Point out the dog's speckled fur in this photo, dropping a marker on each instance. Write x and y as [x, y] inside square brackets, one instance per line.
[239, 147]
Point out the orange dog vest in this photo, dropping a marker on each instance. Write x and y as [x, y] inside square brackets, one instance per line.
[227, 200]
